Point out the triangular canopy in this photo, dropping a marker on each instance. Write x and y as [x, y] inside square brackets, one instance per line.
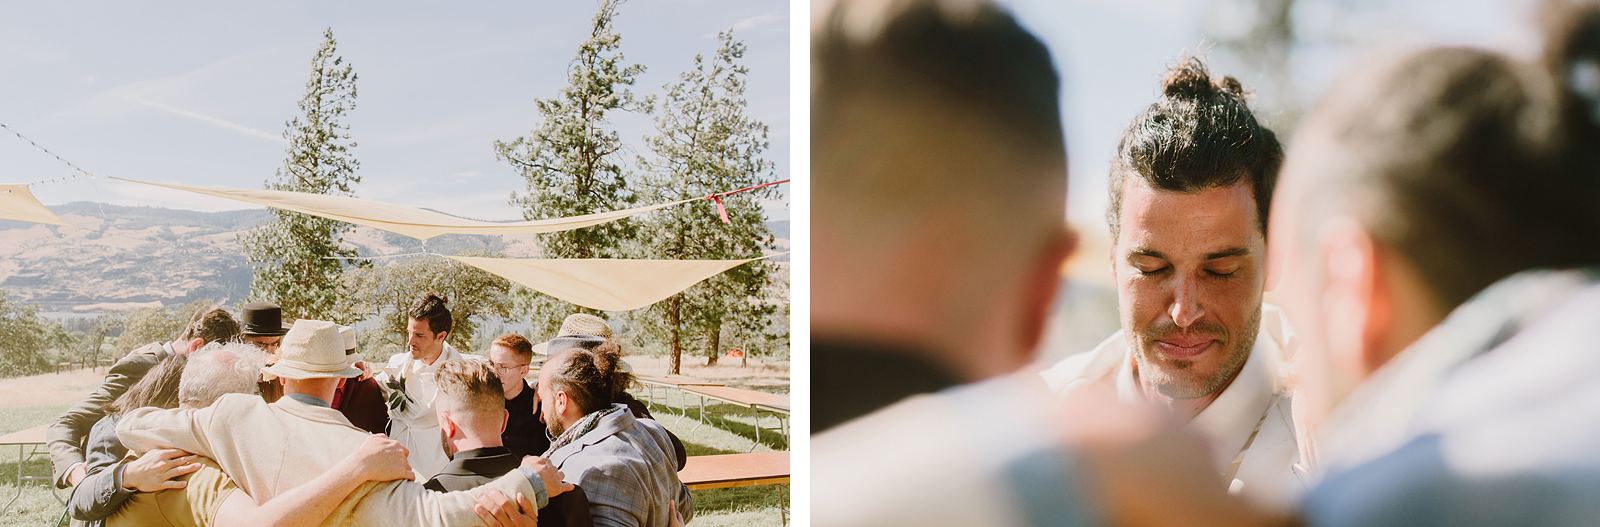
[604, 284]
[417, 223]
[16, 203]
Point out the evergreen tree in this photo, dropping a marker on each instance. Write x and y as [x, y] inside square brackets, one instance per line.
[572, 160]
[291, 253]
[706, 144]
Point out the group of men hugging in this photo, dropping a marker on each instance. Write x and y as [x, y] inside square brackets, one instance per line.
[253, 421]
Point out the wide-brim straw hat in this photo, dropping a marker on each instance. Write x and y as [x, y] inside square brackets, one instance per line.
[568, 342]
[585, 324]
[312, 349]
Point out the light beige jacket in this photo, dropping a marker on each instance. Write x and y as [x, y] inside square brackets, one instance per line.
[269, 449]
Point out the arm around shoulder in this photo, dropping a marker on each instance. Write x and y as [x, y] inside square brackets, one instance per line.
[65, 436]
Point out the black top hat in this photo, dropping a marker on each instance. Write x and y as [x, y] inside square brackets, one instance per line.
[262, 319]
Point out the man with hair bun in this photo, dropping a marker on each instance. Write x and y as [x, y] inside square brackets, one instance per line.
[1190, 189]
[411, 417]
[625, 464]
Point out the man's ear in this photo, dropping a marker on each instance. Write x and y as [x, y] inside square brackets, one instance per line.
[505, 417]
[442, 335]
[1040, 291]
[1356, 305]
[196, 344]
[447, 423]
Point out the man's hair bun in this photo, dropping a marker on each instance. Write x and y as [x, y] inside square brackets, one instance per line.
[1190, 80]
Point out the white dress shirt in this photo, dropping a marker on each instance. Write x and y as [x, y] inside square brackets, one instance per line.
[1249, 426]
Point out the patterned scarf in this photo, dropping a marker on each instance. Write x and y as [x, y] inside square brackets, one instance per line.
[583, 426]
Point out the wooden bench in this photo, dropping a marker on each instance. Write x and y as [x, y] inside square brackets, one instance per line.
[736, 470]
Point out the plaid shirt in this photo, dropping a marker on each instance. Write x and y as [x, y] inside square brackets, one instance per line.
[629, 470]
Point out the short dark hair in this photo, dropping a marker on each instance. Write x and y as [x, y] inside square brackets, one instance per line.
[516, 343]
[592, 379]
[431, 308]
[1465, 163]
[980, 57]
[473, 384]
[212, 324]
[1200, 135]
[158, 388]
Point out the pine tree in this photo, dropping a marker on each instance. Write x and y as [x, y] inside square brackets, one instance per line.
[572, 160]
[292, 251]
[706, 144]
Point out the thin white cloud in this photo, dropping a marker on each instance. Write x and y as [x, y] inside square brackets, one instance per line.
[209, 119]
[754, 21]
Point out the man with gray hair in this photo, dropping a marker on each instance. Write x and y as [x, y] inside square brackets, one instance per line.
[217, 370]
[210, 324]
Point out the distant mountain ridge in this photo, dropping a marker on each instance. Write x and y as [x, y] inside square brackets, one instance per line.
[126, 257]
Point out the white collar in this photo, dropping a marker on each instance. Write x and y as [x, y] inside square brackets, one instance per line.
[1229, 420]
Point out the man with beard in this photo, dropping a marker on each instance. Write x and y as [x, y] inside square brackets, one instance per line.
[625, 464]
[1437, 230]
[1190, 189]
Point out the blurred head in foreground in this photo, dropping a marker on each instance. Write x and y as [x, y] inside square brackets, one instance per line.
[939, 187]
[1419, 182]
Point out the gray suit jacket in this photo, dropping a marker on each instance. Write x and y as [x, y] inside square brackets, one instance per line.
[629, 470]
[100, 494]
[66, 435]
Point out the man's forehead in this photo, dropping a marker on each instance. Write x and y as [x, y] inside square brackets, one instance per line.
[1210, 223]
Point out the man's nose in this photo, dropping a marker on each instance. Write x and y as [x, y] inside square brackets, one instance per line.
[1186, 308]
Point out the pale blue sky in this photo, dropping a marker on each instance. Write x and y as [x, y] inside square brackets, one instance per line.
[198, 92]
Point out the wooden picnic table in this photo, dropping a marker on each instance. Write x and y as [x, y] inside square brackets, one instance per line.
[652, 382]
[32, 437]
[736, 470]
[757, 402]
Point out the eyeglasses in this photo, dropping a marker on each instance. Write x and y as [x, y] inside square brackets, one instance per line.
[508, 367]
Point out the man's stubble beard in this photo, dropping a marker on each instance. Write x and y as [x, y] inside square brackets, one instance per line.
[1168, 378]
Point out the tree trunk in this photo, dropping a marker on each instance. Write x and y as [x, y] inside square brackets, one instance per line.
[714, 345]
[673, 320]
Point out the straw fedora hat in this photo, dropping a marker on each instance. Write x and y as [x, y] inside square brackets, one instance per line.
[585, 324]
[311, 349]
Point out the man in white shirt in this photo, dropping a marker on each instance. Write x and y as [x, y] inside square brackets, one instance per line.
[411, 417]
[1190, 188]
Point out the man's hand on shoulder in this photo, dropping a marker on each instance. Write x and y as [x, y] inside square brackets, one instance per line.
[157, 469]
[79, 471]
[552, 478]
[497, 511]
[379, 459]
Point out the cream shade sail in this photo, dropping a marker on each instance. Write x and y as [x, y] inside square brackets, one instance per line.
[417, 223]
[16, 203]
[605, 284]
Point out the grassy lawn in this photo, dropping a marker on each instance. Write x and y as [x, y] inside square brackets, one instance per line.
[36, 506]
[728, 430]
